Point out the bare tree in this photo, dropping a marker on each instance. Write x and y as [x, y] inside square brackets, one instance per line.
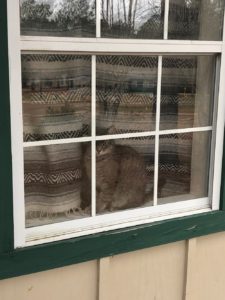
[112, 13]
[107, 11]
[130, 13]
[124, 11]
[134, 13]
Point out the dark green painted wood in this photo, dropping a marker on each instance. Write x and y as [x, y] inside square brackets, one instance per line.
[222, 193]
[6, 216]
[63, 253]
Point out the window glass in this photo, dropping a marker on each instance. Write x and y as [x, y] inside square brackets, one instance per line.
[196, 19]
[53, 182]
[127, 19]
[56, 96]
[126, 93]
[124, 174]
[187, 92]
[132, 19]
[184, 161]
[58, 17]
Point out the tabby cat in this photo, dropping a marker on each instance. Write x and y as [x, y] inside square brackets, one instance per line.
[120, 177]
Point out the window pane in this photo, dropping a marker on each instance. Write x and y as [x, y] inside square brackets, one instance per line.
[58, 17]
[184, 161]
[187, 92]
[132, 19]
[124, 173]
[56, 96]
[53, 183]
[126, 94]
[196, 20]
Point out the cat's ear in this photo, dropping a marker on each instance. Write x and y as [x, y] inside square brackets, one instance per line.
[112, 130]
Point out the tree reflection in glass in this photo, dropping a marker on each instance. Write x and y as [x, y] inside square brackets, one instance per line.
[196, 19]
[132, 19]
[58, 17]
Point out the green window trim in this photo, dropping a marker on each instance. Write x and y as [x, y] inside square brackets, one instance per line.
[6, 197]
[58, 254]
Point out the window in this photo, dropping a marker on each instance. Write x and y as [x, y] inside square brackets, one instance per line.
[116, 113]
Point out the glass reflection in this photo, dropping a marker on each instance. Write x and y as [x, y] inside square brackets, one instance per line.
[132, 19]
[53, 182]
[196, 20]
[58, 17]
[187, 92]
[56, 96]
[126, 94]
[184, 161]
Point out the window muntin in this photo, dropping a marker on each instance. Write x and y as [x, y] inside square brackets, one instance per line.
[125, 218]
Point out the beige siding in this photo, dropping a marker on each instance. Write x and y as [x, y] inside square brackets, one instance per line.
[187, 270]
[207, 281]
[77, 282]
[156, 273]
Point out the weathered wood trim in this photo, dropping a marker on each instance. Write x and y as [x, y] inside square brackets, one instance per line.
[63, 253]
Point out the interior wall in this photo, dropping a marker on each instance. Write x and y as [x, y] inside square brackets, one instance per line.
[187, 270]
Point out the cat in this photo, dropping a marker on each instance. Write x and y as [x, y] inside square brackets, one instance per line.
[121, 177]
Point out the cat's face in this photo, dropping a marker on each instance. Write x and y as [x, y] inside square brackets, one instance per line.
[104, 147]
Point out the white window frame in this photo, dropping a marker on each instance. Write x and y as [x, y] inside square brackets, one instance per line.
[94, 46]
